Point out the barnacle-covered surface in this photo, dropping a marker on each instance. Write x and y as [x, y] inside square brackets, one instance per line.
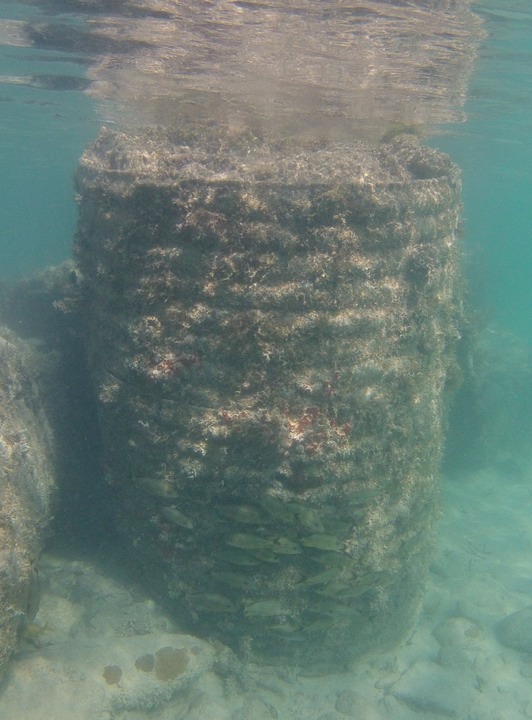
[271, 330]
[303, 67]
[26, 485]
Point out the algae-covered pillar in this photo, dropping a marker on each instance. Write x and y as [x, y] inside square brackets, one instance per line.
[271, 330]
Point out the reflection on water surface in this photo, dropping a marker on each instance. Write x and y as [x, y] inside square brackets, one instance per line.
[324, 67]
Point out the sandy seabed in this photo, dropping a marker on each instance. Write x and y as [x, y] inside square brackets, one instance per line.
[99, 650]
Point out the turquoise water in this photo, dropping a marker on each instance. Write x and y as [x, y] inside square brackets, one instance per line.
[44, 132]
[494, 150]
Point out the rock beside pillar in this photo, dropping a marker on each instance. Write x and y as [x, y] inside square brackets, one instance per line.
[26, 487]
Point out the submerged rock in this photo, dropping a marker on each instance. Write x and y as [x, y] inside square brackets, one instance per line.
[429, 688]
[26, 485]
[515, 630]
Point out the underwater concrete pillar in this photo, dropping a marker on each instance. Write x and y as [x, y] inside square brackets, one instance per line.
[271, 328]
